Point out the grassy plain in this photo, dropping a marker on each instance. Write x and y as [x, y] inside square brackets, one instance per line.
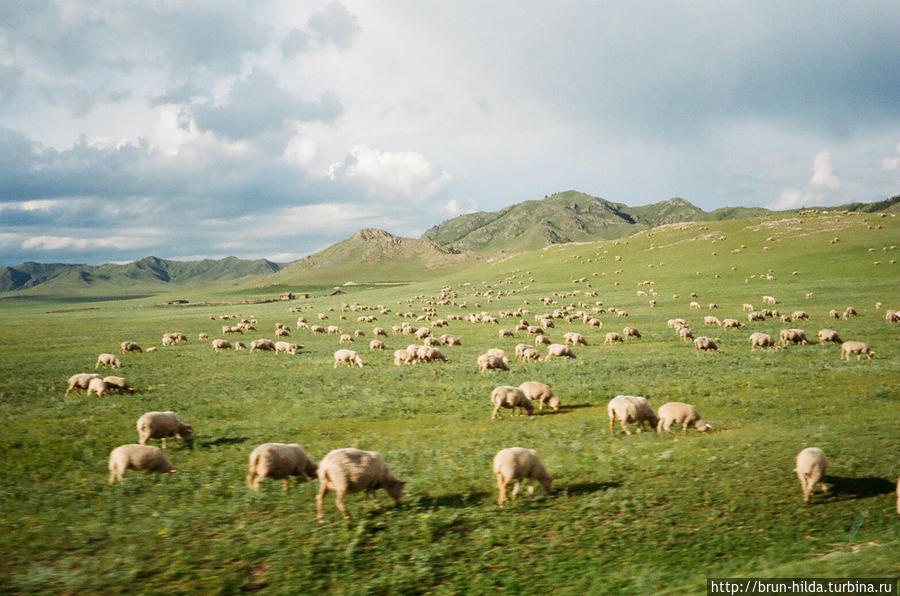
[644, 513]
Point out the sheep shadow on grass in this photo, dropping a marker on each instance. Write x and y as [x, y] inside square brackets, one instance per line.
[841, 488]
[583, 488]
[563, 409]
[224, 441]
[455, 500]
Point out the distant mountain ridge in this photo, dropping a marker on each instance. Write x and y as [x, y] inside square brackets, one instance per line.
[569, 216]
[148, 272]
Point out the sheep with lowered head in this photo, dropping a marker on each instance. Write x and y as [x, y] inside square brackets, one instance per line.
[221, 344]
[160, 425]
[118, 383]
[80, 381]
[558, 351]
[705, 343]
[541, 393]
[279, 460]
[137, 457]
[628, 409]
[499, 354]
[262, 344]
[490, 361]
[762, 340]
[518, 465]
[811, 466]
[98, 386]
[129, 346]
[108, 360]
[826, 335]
[352, 470]
[529, 354]
[792, 336]
[575, 338]
[676, 412]
[401, 357]
[506, 396]
[856, 347]
[348, 357]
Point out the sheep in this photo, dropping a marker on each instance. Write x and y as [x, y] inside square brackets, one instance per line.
[351, 470]
[348, 357]
[450, 340]
[221, 344]
[529, 354]
[168, 341]
[379, 331]
[850, 312]
[558, 351]
[279, 460]
[799, 315]
[516, 464]
[282, 332]
[686, 334]
[202, 336]
[833, 314]
[769, 300]
[630, 408]
[613, 337]
[540, 392]
[892, 316]
[811, 466]
[490, 361]
[855, 347]
[505, 333]
[174, 337]
[262, 344]
[705, 343]
[129, 346]
[630, 332]
[675, 323]
[239, 345]
[575, 338]
[119, 383]
[108, 360]
[429, 354]
[160, 425]
[402, 356]
[747, 307]
[676, 412]
[710, 320]
[542, 340]
[762, 340]
[284, 347]
[137, 457]
[829, 335]
[499, 354]
[377, 344]
[792, 336]
[507, 396]
[732, 324]
[316, 329]
[345, 338]
[755, 316]
[151, 349]
[98, 386]
[695, 305]
[80, 381]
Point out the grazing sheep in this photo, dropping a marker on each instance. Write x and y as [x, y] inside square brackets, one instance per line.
[811, 466]
[353, 470]
[174, 337]
[160, 425]
[755, 316]
[262, 344]
[98, 386]
[499, 354]
[505, 333]
[379, 331]
[792, 336]
[732, 324]
[850, 312]
[318, 329]
[762, 340]
[108, 360]
[80, 381]
[429, 354]
[151, 349]
[450, 340]
[334, 330]
[401, 356]
[345, 339]
[489, 361]
[202, 336]
[541, 393]
[221, 344]
[892, 316]
[834, 314]
[675, 323]
[747, 307]
[529, 354]
[168, 341]
[377, 344]
[279, 460]
[542, 340]
[284, 347]
[575, 338]
[631, 332]
[507, 396]
[118, 383]
[799, 315]
[686, 334]
[613, 337]
[695, 305]
[239, 345]
[769, 300]
[282, 332]
[129, 346]
[829, 335]
[705, 343]
[558, 351]
[630, 408]
[710, 320]
[516, 464]
[855, 347]
[348, 357]
[137, 457]
[676, 412]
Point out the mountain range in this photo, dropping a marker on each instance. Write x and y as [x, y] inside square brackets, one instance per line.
[375, 255]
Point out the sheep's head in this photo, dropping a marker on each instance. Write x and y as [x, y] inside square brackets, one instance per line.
[554, 402]
[394, 488]
[702, 425]
[187, 432]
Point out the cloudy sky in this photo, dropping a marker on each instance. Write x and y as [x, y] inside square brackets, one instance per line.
[201, 128]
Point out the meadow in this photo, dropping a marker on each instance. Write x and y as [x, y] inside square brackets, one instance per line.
[645, 513]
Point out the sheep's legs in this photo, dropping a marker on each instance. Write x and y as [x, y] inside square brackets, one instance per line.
[320, 502]
[625, 427]
[516, 487]
[501, 487]
[339, 502]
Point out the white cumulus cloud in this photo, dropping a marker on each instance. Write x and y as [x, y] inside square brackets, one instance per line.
[891, 163]
[405, 172]
[823, 176]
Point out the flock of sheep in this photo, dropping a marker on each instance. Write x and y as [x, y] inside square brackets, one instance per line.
[351, 470]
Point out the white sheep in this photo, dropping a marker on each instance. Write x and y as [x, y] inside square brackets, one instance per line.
[80, 381]
[262, 344]
[676, 412]
[732, 324]
[98, 386]
[529, 354]
[345, 338]
[450, 340]
[401, 357]
[856, 347]
[518, 465]
[351, 470]
[490, 361]
[612, 338]
[762, 340]
[507, 396]
[628, 409]
[377, 344]
[686, 334]
[559, 351]
[826, 335]
[711, 320]
[630, 332]
[348, 357]
[279, 460]
[117, 383]
[429, 354]
[541, 393]
[108, 360]
[160, 425]
[575, 338]
[792, 336]
[811, 466]
[221, 344]
[284, 347]
[137, 457]
[705, 343]
[129, 346]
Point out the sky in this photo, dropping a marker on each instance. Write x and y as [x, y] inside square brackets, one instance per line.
[273, 128]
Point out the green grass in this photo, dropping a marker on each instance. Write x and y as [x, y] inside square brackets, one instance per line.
[644, 513]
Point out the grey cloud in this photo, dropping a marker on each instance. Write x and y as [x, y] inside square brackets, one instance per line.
[258, 104]
[294, 43]
[334, 25]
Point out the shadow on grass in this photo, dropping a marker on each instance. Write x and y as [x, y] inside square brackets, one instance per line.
[457, 500]
[224, 441]
[588, 487]
[842, 488]
[562, 410]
